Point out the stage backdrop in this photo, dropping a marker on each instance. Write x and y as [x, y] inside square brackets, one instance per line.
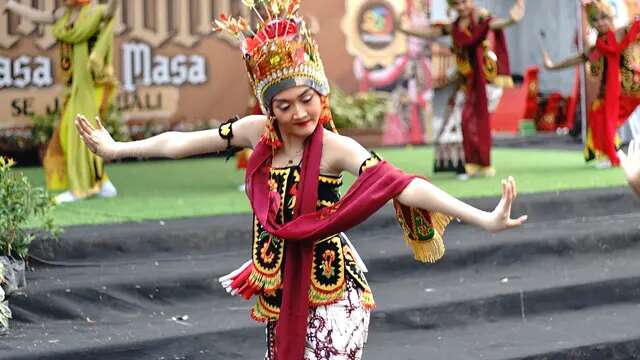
[170, 66]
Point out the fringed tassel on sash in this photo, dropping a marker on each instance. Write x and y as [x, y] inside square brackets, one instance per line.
[367, 299]
[263, 312]
[423, 231]
[268, 282]
[237, 282]
[321, 298]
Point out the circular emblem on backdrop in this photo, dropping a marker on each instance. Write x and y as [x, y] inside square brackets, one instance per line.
[376, 25]
[371, 28]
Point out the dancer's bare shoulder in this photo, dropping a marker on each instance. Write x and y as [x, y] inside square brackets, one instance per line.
[342, 153]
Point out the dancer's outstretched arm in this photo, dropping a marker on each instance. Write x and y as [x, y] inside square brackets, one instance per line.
[172, 144]
[631, 165]
[425, 32]
[34, 15]
[566, 63]
[346, 154]
[515, 15]
[424, 195]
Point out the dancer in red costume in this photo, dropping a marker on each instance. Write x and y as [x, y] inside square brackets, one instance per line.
[303, 270]
[619, 92]
[478, 66]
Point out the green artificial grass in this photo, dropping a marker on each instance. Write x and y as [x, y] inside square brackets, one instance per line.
[209, 186]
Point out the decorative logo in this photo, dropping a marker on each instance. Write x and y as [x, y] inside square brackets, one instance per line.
[376, 25]
[371, 27]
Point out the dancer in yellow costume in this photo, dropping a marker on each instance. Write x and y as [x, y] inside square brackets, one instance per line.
[85, 34]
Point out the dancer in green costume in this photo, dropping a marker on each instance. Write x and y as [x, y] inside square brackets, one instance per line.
[85, 34]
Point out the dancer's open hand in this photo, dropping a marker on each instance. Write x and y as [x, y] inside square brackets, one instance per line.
[547, 60]
[405, 22]
[517, 11]
[97, 139]
[500, 218]
[631, 164]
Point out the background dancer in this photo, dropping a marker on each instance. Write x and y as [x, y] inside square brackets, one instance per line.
[613, 63]
[85, 35]
[478, 66]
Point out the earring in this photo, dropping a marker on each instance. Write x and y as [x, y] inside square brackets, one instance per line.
[270, 136]
[325, 115]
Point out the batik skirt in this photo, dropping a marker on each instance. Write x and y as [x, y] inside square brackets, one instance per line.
[334, 332]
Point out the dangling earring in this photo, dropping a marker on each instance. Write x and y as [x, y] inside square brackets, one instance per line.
[270, 136]
[325, 115]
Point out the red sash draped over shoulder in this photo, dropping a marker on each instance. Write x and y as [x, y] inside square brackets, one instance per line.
[372, 190]
[604, 128]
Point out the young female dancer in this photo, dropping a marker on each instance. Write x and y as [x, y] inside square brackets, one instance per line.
[309, 285]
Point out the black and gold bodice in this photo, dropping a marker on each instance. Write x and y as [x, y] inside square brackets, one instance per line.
[333, 260]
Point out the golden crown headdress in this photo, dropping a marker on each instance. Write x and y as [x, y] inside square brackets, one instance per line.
[280, 53]
[596, 8]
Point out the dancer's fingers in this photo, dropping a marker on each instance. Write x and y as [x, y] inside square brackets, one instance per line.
[517, 222]
[504, 193]
[99, 123]
[82, 131]
[78, 122]
[513, 195]
[81, 119]
[512, 180]
[509, 200]
[84, 123]
[90, 141]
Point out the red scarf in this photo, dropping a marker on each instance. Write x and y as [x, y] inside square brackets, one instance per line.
[371, 191]
[607, 45]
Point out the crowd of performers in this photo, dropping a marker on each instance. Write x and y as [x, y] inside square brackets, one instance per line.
[463, 143]
[307, 279]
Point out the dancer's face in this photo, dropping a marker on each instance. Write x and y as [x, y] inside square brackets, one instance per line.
[603, 23]
[297, 111]
[464, 8]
